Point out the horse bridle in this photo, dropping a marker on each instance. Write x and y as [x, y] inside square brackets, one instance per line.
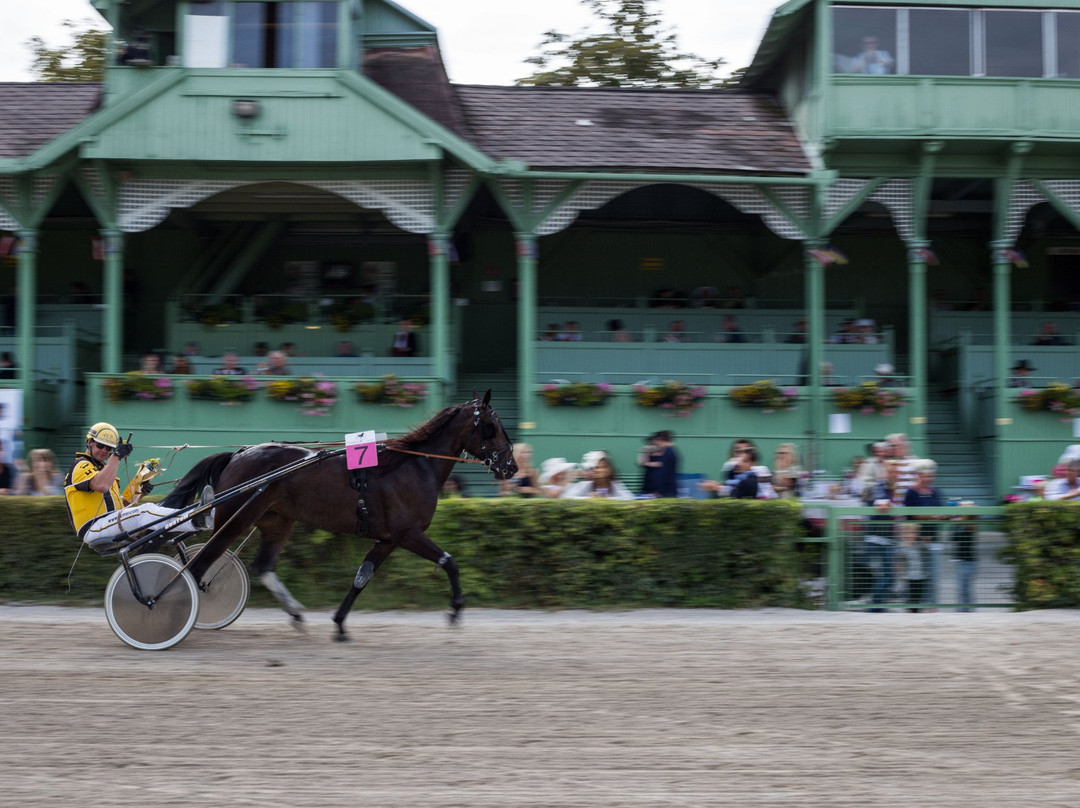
[492, 457]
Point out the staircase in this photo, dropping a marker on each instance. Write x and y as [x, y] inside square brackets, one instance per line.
[477, 479]
[961, 470]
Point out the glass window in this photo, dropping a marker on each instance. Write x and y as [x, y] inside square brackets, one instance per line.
[1013, 43]
[285, 34]
[940, 42]
[864, 40]
[316, 23]
[1068, 44]
[250, 34]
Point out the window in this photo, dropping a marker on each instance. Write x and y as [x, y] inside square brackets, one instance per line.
[864, 40]
[940, 42]
[1013, 43]
[297, 33]
[1068, 44]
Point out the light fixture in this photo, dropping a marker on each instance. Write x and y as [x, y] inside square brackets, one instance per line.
[245, 108]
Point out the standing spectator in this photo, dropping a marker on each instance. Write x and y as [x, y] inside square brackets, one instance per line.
[880, 540]
[229, 365]
[924, 494]
[42, 478]
[7, 474]
[555, 473]
[966, 555]
[523, 483]
[661, 464]
[914, 565]
[7, 365]
[900, 449]
[786, 471]
[873, 469]
[603, 483]
[404, 339]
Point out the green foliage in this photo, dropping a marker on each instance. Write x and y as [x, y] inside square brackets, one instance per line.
[137, 386]
[82, 60]
[513, 553]
[633, 51]
[766, 395]
[576, 394]
[226, 389]
[1044, 544]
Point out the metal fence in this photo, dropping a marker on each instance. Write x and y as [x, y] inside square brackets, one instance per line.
[913, 559]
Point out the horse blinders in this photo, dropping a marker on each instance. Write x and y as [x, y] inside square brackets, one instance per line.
[499, 458]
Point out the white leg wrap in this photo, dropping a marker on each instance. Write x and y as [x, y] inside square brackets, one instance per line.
[283, 595]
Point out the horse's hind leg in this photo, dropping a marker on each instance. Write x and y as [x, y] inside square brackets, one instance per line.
[375, 557]
[424, 547]
[275, 530]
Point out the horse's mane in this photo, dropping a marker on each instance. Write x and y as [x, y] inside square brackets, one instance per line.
[420, 435]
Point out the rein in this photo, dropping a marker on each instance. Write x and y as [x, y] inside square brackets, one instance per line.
[434, 456]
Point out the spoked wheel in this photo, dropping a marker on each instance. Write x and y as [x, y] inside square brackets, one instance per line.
[169, 620]
[225, 589]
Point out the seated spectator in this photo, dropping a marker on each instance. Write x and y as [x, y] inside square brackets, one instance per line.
[828, 375]
[1020, 373]
[41, 479]
[798, 333]
[191, 348]
[276, 365]
[603, 483]
[739, 476]
[181, 365]
[260, 349]
[551, 333]
[884, 375]
[730, 331]
[571, 332]
[151, 363]
[677, 332]
[229, 365]
[524, 482]
[846, 334]
[289, 349]
[786, 471]
[344, 349]
[556, 475]
[865, 332]
[404, 339]
[1066, 487]
[705, 297]
[619, 332]
[7, 365]
[1048, 335]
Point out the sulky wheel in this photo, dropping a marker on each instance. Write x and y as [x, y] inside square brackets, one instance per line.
[172, 615]
[225, 590]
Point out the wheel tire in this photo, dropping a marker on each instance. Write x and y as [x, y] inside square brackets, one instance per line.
[172, 616]
[226, 595]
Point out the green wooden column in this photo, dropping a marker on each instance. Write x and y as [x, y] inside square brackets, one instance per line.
[439, 271]
[27, 359]
[814, 280]
[112, 350]
[526, 331]
[916, 259]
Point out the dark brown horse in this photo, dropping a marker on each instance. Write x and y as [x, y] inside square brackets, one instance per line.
[392, 503]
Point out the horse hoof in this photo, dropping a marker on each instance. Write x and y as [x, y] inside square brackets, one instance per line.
[453, 616]
[342, 637]
[298, 623]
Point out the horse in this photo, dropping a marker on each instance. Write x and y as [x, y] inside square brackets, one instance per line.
[392, 502]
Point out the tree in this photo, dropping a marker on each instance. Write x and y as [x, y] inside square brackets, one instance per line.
[634, 51]
[83, 60]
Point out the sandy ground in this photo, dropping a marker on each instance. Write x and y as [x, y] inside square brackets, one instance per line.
[645, 708]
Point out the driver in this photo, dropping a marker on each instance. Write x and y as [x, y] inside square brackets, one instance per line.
[99, 512]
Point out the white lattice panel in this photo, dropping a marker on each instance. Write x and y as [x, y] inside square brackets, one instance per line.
[409, 204]
[748, 199]
[1024, 197]
[590, 196]
[895, 195]
[8, 191]
[840, 193]
[144, 204]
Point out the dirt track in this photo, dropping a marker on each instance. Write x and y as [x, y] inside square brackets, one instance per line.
[655, 708]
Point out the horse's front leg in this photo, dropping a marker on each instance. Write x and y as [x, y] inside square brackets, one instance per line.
[375, 557]
[424, 547]
[275, 531]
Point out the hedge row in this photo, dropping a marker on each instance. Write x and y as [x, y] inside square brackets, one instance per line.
[512, 554]
[1044, 546]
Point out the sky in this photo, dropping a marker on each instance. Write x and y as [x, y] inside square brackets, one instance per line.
[482, 41]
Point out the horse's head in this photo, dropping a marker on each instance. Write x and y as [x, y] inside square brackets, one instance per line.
[488, 440]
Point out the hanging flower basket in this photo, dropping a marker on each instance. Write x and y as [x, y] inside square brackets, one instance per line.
[576, 394]
[765, 395]
[1057, 398]
[391, 390]
[228, 390]
[677, 398]
[869, 398]
[313, 396]
[137, 386]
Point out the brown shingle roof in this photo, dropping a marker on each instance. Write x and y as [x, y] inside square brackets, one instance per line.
[706, 131]
[417, 75]
[32, 114]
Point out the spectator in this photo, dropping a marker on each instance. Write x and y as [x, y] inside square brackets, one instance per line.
[571, 332]
[619, 332]
[7, 474]
[786, 471]
[589, 461]
[730, 331]
[41, 479]
[666, 298]
[289, 349]
[966, 554]
[229, 365]
[344, 349]
[884, 375]
[828, 376]
[191, 348]
[555, 477]
[872, 470]
[1048, 335]
[846, 334]
[551, 333]
[404, 344]
[1020, 373]
[865, 332]
[880, 540]
[733, 298]
[151, 363]
[677, 332]
[900, 449]
[661, 464]
[7, 365]
[603, 483]
[914, 561]
[260, 349]
[798, 333]
[705, 297]
[738, 476]
[924, 494]
[524, 482]
[1066, 487]
[453, 488]
[851, 486]
[276, 365]
[181, 366]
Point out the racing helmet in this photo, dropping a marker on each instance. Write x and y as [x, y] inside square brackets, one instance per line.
[104, 433]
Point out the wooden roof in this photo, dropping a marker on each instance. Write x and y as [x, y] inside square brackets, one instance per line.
[32, 114]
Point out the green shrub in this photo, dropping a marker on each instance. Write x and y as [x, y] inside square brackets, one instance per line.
[1044, 544]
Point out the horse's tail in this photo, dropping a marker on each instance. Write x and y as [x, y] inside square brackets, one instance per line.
[205, 472]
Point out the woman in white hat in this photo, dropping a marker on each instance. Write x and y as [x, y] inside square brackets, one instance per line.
[555, 477]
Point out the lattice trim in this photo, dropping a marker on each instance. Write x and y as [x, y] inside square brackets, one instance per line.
[1024, 197]
[895, 195]
[840, 193]
[8, 191]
